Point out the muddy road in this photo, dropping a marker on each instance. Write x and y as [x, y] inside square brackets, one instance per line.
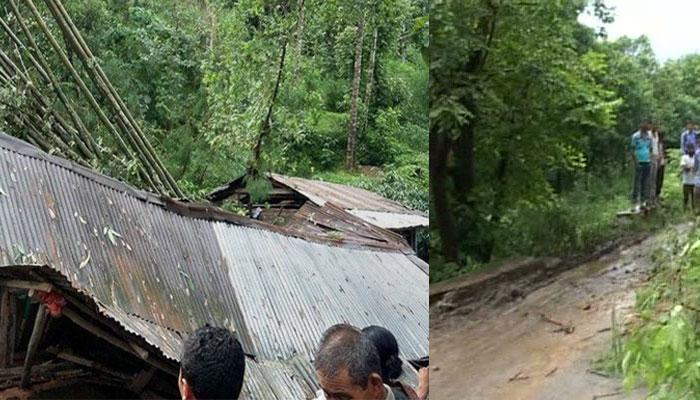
[542, 344]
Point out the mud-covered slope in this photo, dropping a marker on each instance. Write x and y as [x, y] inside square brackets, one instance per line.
[541, 344]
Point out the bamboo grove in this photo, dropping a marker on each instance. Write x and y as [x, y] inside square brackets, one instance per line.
[42, 111]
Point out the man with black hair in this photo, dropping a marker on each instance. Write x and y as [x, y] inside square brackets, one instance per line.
[641, 159]
[212, 365]
[348, 367]
[388, 350]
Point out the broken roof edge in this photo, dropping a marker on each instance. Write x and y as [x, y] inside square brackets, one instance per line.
[198, 210]
[227, 190]
[19, 146]
[392, 220]
[292, 182]
[101, 309]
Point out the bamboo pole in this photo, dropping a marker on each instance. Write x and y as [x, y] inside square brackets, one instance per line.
[16, 40]
[115, 341]
[86, 362]
[66, 132]
[100, 78]
[5, 313]
[267, 122]
[34, 340]
[33, 124]
[51, 78]
[42, 109]
[12, 70]
[28, 285]
[102, 116]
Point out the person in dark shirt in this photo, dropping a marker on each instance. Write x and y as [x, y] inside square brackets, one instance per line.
[212, 365]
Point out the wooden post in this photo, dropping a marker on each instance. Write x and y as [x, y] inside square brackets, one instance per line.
[118, 342]
[12, 334]
[5, 353]
[34, 340]
[141, 379]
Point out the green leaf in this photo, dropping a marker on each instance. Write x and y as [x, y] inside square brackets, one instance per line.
[111, 234]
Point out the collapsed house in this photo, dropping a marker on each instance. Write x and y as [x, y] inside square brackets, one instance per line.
[100, 283]
[289, 195]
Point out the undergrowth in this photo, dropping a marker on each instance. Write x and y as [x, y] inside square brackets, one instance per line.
[574, 222]
[662, 349]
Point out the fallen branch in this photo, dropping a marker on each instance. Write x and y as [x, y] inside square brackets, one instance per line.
[550, 373]
[596, 372]
[596, 334]
[567, 329]
[518, 377]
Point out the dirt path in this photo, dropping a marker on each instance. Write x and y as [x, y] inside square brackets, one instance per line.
[510, 351]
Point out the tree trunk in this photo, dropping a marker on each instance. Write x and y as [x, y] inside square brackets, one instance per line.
[402, 43]
[267, 122]
[463, 175]
[210, 17]
[441, 213]
[357, 74]
[370, 77]
[300, 40]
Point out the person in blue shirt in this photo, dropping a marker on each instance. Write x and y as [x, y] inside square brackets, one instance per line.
[689, 136]
[641, 156]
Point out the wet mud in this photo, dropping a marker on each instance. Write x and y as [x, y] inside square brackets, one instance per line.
[541, 343]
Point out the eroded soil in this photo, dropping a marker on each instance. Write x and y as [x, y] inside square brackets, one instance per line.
[542, 346]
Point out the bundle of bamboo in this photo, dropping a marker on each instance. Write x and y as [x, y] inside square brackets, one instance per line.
[37, 117]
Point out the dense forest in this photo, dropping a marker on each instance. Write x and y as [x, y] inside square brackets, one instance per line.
[531, 118]
[221, 88]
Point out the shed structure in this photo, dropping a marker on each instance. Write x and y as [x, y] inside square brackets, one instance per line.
[289, 194]
[131, 274]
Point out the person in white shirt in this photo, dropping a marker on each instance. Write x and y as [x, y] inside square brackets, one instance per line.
[655, 159]
[348, 367]
[688, 176]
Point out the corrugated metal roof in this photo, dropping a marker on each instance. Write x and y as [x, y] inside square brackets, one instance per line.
[161, 274]
[362, 203]
[347, 197]
[391, 220]
[378, 210]
[334, 222]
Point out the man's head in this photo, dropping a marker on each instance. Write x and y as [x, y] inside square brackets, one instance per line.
[689, 126]
[212, 365]
[347, 365]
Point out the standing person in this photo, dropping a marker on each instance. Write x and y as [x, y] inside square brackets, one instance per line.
[654, 164]
[696, 170]
[688, 177]
[212, 365]
[641, 158]
[689, 136]
[388, 349]
[662, 165]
